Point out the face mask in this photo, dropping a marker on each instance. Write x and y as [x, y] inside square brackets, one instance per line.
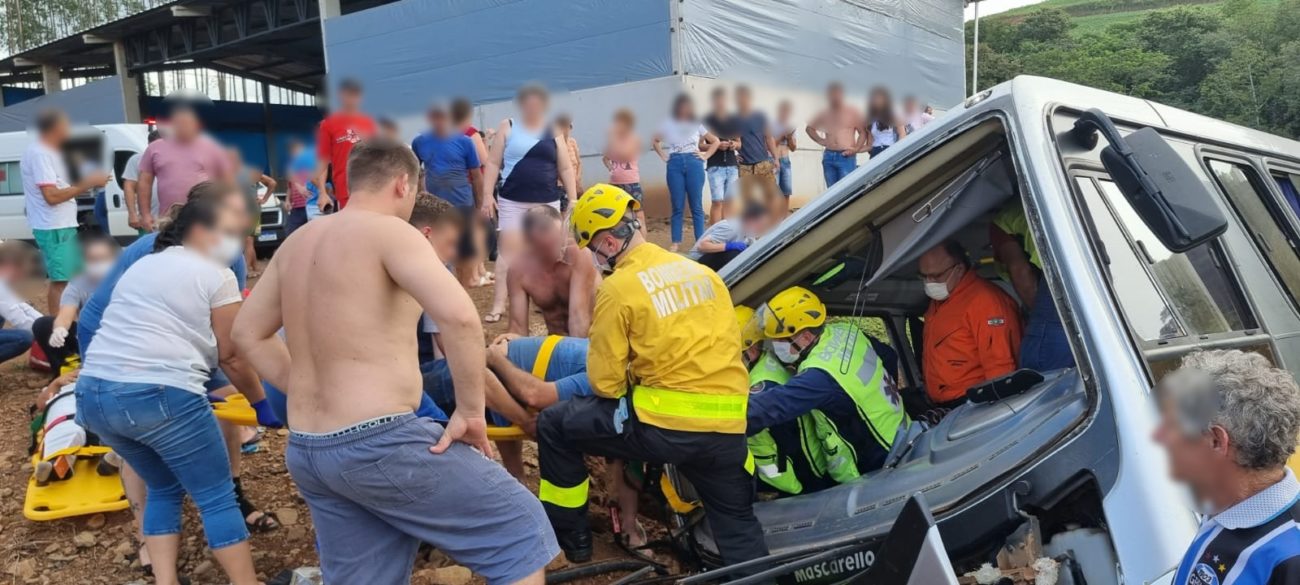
[98, 270]
[227, 250]
[936, 290]
[785, 351]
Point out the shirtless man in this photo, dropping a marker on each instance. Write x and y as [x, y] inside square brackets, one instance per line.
[379, 480]
[840, 130]
[558, 276]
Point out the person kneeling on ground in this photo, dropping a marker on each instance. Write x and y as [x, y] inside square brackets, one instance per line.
[57, 334]
[17, 260]
[667, 379]
[837, 373]
[57, 434]
[728, 238]
[563, 376]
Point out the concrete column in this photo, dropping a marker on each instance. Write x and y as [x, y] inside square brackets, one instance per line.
[268, 132]
[51, 78]
[328, 9]
[130, 89]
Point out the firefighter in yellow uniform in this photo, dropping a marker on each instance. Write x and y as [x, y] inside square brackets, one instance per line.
[664, 364]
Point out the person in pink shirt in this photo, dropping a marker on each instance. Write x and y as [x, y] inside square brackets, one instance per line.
[623, 150]
[183, 158]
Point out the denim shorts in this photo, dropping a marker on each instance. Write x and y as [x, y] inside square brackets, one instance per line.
[376, 492]
[633, 189]
[723, 182]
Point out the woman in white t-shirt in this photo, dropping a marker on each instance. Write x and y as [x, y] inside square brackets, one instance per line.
[142, 387]
[684, 144]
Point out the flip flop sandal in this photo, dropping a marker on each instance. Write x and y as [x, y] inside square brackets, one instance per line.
[266, 522]
[492, 318]
[250, 446]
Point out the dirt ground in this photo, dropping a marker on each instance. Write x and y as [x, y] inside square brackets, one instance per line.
[99, 549]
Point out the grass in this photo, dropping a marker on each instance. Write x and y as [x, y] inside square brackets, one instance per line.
[1097, 15]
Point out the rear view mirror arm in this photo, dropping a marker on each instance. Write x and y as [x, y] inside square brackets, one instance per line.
[1094, 121]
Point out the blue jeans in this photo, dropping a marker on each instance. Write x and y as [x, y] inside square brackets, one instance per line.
[13, 342]
[836, 166]
[170, 437]
[101, 210]
[686, 185]
[784, 177]
[1044, 346]
[723, 182]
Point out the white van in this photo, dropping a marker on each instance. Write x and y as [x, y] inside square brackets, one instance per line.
[112, 145]
[109, 144]
[1161, 232]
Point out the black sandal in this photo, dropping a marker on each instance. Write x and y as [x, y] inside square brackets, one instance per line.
[265, 522]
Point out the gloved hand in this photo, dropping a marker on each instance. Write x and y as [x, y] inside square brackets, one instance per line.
[58, 336]
[265, 416]
[620, 415]
[735, 246]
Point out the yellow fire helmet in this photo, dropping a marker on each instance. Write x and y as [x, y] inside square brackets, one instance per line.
[791, 311]
[601, 207]
[750, 331]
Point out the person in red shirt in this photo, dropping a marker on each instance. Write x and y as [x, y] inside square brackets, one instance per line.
[338, 132]
[972, 328]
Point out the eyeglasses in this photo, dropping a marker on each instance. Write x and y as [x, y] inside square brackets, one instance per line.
[940, 276]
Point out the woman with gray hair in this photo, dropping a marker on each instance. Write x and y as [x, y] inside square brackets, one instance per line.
[1229, 421]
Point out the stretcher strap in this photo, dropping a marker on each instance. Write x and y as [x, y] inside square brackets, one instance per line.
[543, 361]
[82, 451]
[62, 419]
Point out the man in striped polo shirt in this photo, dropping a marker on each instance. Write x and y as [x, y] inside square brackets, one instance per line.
[1229, 421]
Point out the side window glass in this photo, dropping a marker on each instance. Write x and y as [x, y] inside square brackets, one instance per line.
[1196, 284]
[11, 179]
[1264, 219]
[1148, 313]
[120, 157]
[1289, 183]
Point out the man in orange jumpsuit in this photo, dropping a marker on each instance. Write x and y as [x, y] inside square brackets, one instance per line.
[972, 328]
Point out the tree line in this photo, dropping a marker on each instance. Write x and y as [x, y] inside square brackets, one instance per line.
[26, 24]
[1238, 60]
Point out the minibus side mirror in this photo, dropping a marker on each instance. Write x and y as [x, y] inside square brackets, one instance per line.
[1163, 190]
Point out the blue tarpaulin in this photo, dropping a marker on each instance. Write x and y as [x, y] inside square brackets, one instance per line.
[410, 52]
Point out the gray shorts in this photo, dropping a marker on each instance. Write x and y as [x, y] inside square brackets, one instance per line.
[376, 492]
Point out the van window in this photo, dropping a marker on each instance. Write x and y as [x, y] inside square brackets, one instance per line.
[1289, 183]
[120, 158]
[1197, 295]
[1148, 313]
[11, 179]
[1264, 219]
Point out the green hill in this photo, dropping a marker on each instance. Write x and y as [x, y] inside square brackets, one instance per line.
[1096, 15]
[1236, 60]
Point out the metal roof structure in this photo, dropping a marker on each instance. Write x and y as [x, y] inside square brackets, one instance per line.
[275, 41]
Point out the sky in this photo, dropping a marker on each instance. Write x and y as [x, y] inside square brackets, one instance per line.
[988, 7]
